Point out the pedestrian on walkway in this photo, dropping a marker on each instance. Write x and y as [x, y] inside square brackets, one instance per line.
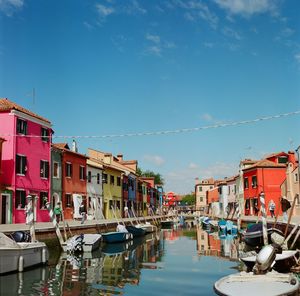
[57, 212]
[272, 208]
[285, 205]
[82, 212]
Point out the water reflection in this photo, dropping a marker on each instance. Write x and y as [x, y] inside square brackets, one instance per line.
[217, 244]
[155, 261]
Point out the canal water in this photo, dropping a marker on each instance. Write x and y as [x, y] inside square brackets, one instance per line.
[182, 261]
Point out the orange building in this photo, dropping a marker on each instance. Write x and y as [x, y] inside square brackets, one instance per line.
[266, 176]
[73, 181]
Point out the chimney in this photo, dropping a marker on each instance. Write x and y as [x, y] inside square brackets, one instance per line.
[74, 146]
[120, 157]
[107, 158]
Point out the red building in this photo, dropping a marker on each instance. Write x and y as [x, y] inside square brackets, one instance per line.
[265, 176]
[73, 181]
[170, 199]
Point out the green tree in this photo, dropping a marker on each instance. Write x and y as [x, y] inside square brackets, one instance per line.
[158, 179]
[189, 199]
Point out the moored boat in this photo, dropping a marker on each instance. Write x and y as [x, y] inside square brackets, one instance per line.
[82, 243]
[116, 236]
[167, 223]
[283, 261]
[16, 256]
[248, 284]
[253, 236]
[136, 231]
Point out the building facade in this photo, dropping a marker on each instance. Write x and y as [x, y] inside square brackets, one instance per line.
[25, 161]
[201, 187]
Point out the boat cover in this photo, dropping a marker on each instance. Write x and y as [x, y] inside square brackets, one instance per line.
[6, 242]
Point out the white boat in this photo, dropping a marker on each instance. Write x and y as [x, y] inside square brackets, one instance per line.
[283, 261]
[15, 256]
[82, 243]
[248, 284]
[147, 227]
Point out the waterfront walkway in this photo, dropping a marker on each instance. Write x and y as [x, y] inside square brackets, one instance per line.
[44, 227]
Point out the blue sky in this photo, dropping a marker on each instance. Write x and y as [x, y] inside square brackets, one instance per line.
[120, 66]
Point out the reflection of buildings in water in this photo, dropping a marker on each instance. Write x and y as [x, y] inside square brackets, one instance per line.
[202, 241]
[171, 234]
[229, 248]
[24, 283]
[207, 244]
[152, 251]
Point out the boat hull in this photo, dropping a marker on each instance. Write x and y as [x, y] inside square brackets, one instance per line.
[248, 284]
[116, 237]
[91, 242]
[136, 231]
[28, 255]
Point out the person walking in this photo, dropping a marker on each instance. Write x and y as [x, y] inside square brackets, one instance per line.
[272, 208]
[58, 212]
[285, 205]
[82, 212]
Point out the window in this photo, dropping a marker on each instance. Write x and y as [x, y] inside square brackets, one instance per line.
[44, 169]
[246, 183]
[45, 134]
[43, 200]
[98, 178]
[200, 188]
[55, 170]
[21, 126]
[68, 169]
[104, 178]
[112, 180]
[254, 182]
[296, 177]
[89, 177]
[118, 181]
[68, 200]
[81, 172]
[282, 159]
[210, 187]
[234, 188]
[201, 198]
[20, 199]
[21, 164]
[229, 190]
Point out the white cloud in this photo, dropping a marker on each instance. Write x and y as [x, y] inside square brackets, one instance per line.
[231, 33]
[153, 38]
[157, 45]
[196, 10]
[88, 25]
[183, 180]
[248, 8]
[154, 50]
[134, 8]
[9, 7]
[193, 166]
[154, 159]
[104, 11]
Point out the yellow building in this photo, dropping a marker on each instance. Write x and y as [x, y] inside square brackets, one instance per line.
[113, 171]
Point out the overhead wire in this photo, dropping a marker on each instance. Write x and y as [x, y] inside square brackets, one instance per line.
[166, 132]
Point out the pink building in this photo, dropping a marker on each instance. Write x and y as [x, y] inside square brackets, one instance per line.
[25, 162]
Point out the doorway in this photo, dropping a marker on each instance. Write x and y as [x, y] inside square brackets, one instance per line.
[5, 209]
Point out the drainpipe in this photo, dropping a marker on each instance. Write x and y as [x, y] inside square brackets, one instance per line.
[297, 150]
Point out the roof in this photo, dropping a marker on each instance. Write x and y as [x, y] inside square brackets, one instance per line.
[7, 105]
[275, 154]
[61, 145]
[265, 164]
[64, 147]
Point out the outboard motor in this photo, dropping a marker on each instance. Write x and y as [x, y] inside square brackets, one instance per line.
[21, 237]
[265, 259]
